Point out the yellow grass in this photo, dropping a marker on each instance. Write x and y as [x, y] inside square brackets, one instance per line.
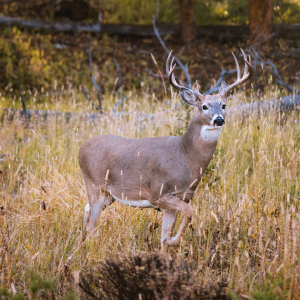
[246, 210]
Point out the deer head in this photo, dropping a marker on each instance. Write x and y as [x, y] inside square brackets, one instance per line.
[212, 108]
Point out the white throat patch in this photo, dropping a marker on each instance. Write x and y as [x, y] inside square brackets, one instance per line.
[210, 133]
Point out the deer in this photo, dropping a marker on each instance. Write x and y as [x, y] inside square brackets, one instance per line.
[157, 172]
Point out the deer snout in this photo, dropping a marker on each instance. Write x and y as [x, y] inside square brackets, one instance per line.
[219, 121]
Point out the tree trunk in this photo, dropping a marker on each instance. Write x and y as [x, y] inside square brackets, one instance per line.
[260, 22]
[187, 25]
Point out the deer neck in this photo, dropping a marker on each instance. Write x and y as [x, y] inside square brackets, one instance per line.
[199, 143]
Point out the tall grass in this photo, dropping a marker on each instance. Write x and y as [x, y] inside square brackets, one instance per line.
[246, 210]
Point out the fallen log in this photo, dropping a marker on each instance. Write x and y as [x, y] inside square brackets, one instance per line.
[220, 32]
[45, 114]
[74, 27]
[283, 104]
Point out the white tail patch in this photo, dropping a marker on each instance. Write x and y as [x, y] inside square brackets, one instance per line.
[210, 133]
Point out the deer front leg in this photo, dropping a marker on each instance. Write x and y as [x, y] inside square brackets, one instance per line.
[92, 213]
[167, 226]
[171, 205]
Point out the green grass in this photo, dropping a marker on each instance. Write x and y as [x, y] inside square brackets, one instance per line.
[246, 210]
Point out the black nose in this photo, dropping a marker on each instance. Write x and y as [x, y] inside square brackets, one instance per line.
[219, 121]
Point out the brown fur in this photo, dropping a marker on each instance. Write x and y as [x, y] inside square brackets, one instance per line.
[160, 170]
[164, 171]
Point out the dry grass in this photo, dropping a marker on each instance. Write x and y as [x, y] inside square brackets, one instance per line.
[147, 276]
[246, 210]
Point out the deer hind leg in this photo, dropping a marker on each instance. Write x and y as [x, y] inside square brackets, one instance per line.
[174, 205]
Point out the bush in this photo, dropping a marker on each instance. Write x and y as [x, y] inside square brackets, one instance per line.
[146, 276]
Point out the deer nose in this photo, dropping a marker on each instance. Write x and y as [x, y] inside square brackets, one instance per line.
[219, 121]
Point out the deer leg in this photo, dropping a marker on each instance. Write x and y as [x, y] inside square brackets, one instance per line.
[95, 206]
[167, 226]
[93, 192]
[172, 203]
[91, 215]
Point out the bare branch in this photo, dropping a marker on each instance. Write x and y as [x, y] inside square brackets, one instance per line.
[22, 98]
[117, 103]
[156, 75]
[159, 73]
[88, 98]
[263, 61]
[93, 80]
[120, 78]
[184, 68]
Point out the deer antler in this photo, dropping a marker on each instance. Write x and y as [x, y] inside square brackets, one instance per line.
[245, 77]
[170, 72]
[170, 69]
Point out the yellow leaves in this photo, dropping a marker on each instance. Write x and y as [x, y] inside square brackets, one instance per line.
[218, 54]
[38, 64]
[4, 102]
[16, 31]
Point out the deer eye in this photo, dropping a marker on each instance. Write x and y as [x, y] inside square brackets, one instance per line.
[223, 106]
[204, 107]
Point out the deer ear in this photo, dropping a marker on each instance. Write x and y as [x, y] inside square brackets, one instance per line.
[189, 96]
[223, 86]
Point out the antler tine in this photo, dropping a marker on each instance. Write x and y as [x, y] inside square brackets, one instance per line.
[238, 70]
[167, 63]
[248, 65]
[245, 59]
[197, 86]
[245, 77]
[170, 69]
[172, 79]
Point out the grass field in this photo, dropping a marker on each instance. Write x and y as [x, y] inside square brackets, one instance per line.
[246, 220]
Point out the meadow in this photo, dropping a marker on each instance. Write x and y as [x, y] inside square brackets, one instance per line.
[245, 228]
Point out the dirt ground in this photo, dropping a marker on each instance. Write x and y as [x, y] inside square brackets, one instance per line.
[39, 60]
[205, 58]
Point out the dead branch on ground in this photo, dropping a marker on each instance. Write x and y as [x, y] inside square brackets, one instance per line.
[22, 98]
[118, 103]
[267, 65]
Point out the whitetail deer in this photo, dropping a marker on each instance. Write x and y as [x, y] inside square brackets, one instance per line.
[160, 172]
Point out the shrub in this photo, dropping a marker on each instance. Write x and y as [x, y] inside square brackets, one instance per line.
[146, 276]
